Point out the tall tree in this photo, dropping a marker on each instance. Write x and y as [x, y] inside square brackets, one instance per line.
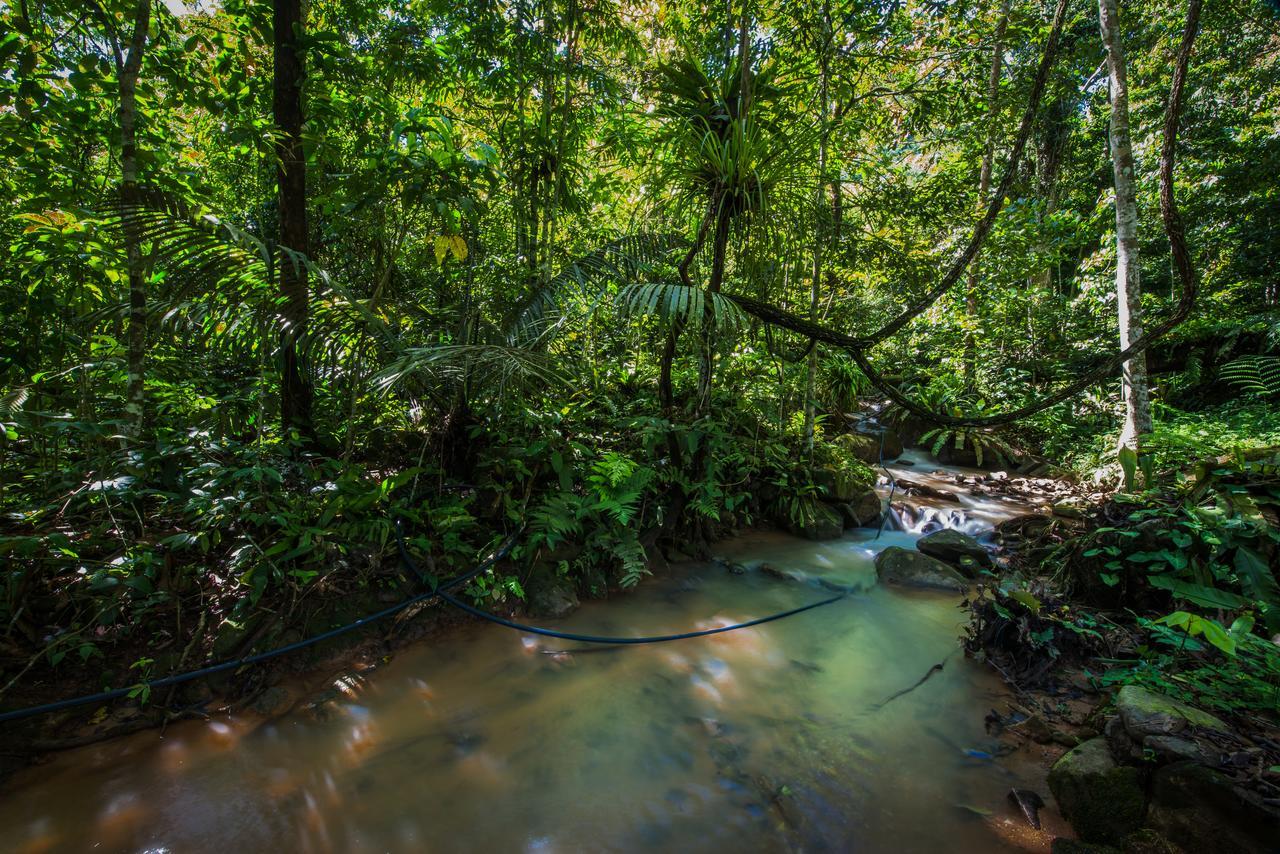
[128, 61]
[819, 213]
[291, 178]
[984, 189]
[1137, 403]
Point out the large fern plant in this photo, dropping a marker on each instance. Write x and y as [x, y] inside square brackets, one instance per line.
[1258, 376]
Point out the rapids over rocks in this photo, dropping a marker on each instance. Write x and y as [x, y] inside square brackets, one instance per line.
[773, 738]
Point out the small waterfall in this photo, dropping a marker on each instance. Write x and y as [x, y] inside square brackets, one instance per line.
[925, 519]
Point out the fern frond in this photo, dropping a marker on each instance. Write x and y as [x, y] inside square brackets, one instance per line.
[1255, 375]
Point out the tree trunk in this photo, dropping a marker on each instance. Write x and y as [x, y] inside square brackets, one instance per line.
[291, 177]
[819, 233]
[719, 251]
[984, 189]
[128, 68]
[724, 219]
[1137, 404]
[566, 107]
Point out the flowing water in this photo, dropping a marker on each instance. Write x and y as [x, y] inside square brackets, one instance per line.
[923, 514]
[773, 738]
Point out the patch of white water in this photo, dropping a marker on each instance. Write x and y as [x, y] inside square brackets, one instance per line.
[960, 510]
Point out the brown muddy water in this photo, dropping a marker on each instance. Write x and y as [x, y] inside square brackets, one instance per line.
[766, 739]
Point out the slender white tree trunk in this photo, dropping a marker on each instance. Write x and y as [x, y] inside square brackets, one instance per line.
[1137, 402]
[819, 233]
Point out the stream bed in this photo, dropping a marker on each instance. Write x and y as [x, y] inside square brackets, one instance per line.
[771, 738]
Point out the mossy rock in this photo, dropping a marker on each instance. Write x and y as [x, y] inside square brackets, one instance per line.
[953, 547]
[550, 596]
[866, 508]
[860, 446]
[1146, 713]
[852, 452]
[1103, 801]
[910, 568]
[863, 511]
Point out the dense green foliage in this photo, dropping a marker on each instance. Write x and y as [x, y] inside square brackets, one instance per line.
[523, 219]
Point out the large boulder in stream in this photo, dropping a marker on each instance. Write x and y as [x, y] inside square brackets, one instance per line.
[955, 548]
[863, 511]
[1103, 801]
[910, 568]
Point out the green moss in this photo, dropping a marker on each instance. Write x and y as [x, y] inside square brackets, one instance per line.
[1103, 801]
[845, 454]
[1148, 713]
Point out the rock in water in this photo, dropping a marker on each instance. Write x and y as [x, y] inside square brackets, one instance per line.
[1029, 803]
[552, 597]
[954, 547]
[910, 568]
[1146, 713]
[862, 512]
[1103, 801]
[1203, 810]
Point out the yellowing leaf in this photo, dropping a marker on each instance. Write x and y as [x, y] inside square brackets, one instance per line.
[459, 247]
[442, 246]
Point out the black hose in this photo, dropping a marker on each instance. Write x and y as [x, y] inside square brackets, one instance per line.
[552, 633]
[177, 679]
[440, 591]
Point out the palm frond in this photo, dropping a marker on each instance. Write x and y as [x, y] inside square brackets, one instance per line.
[489, 363]
[674, 302]
[218, 278]
[585, 281]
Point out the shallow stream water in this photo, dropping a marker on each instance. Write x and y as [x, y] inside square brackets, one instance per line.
[772, 738]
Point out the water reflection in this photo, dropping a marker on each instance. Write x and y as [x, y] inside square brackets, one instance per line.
[763, 739]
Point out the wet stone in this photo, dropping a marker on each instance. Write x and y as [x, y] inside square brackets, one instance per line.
[954, 547]
[908, 568]
[1170, 748]
[1147, 713]
[1103, 801]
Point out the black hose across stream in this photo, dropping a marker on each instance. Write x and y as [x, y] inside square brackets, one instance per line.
[441, 591]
